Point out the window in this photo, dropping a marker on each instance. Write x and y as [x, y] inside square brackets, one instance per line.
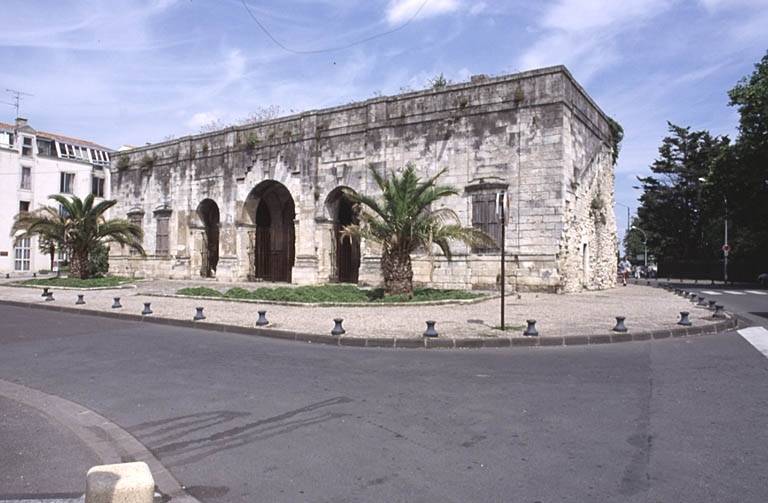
[26, 177]
[161, 242]
[26, 147]
[97, 186]
[6, 139]
[21, 255]
[485, 219]
[67, 184]
[23, 206]
[44, 147]
[135, 219]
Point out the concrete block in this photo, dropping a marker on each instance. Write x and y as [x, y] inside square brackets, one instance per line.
[120, 483]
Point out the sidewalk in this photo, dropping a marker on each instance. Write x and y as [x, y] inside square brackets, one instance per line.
[587, 313]
[40, 458]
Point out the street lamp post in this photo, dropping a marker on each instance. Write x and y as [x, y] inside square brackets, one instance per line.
[627, 207]
[645, 245]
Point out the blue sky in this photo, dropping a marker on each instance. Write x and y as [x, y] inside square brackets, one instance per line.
[130, 72]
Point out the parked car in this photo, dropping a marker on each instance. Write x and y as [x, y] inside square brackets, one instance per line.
[763, 279]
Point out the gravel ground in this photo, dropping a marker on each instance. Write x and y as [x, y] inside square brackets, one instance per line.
[587, 313]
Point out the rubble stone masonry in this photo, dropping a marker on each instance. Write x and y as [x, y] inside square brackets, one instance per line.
[278, 203]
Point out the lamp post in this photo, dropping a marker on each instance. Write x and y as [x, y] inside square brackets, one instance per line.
[628, 225]
[726, 247]
[645, 245]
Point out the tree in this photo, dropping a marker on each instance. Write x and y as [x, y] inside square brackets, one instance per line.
[673, 207]
[403, 220]
[80, 227]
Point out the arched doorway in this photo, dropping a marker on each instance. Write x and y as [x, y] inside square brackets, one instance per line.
[272, 211]
[208, 211]
[346, 251]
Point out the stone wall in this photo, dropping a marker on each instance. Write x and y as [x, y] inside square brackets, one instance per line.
[535, 134]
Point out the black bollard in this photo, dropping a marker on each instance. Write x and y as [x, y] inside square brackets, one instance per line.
[199, 314]
[620, 324]
[146, 311]
[684, 321]
[702, 301]
[719, 313]
[49, 297]
[34, 274]
[7, 276]
[692, 296]
[678, 291]
[45, 292]
[262, 319]
[80, 299]
[648, 282]
[116, 304]
[711, 305]
[531, 331]
[430, 332]
[337, 328]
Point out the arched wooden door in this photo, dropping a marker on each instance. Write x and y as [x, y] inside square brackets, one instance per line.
[274, 237]
[208, 212]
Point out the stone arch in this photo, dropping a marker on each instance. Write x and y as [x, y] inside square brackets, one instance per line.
[345, 252]
[210, 217]
[271, 210]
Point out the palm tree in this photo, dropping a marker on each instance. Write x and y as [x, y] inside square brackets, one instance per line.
[79, 226]
[403, 221]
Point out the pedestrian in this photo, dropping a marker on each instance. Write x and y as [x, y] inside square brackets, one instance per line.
[624, 269]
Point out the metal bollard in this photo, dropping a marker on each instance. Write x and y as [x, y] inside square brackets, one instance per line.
[530, 330]
[711, 305]
[692, 296]
[262, 319]
[337, 328]
[719, 313]
[80, 299]
[684, 321]
[702, 301]
[49, 297]
[620, 324]
[34, 274]
[146, 311]
[45, 292]
[199, 314]
[116, 304]
[430, 332]
[648, 282]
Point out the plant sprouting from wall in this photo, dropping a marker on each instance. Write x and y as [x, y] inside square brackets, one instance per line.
[438, 82]
[123, 163]
[147, 162]
[617, 134]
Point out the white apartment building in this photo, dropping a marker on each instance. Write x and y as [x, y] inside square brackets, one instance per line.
[33, 166]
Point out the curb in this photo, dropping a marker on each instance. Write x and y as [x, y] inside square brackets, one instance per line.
[329, 304]
[110, 442]
[397, 343]
[124, 286]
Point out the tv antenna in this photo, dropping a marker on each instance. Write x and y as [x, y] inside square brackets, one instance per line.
[17, 97]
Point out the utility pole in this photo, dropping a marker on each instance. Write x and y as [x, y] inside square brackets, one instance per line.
[501, 203]
[726, 246]
[17, 97]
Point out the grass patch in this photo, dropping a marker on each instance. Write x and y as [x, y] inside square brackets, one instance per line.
[342, 294]
[79, 283]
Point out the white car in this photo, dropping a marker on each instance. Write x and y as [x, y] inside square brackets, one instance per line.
[763, 279]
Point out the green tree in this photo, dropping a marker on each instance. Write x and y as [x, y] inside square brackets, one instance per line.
[674, 206]
[80, 227]
[403, 220]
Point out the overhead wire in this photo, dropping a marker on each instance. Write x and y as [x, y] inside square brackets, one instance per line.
[330, 49]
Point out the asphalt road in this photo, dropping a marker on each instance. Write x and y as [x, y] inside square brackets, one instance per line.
[749, 302]
[244, 419]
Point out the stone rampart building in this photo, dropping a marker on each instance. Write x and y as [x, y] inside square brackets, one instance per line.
[265, 201]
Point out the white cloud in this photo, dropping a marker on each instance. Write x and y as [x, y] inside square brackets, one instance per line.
[716, 5]
[201, 119]
[400, 11]
[583, 34]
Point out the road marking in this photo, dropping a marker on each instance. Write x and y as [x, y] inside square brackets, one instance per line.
[734, 292]
[757, 336]
[710, 292]
[756, 292]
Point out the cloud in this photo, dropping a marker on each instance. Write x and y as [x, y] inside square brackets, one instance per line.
[400, 11]
[583, 34]
[716, 5]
